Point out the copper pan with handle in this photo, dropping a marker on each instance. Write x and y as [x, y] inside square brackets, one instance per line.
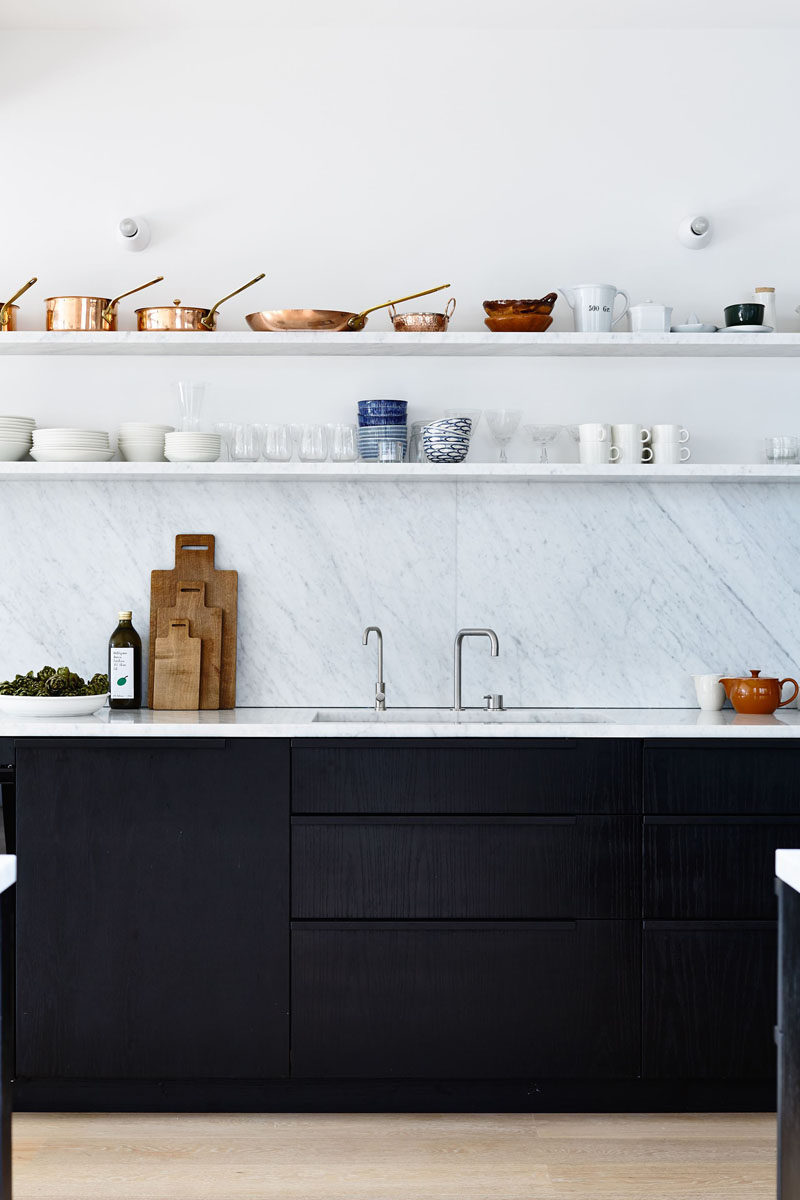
[87, 314]
[8, 312]
[322, 320]
[184, 318]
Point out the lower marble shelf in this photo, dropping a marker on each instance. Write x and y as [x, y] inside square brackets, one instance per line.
[477, 472]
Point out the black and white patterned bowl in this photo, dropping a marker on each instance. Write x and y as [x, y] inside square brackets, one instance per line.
[447, 441]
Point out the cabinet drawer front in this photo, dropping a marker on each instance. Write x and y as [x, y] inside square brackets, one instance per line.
[722, 777]
[713, 869]
[470, 867]
[461, 1001]
[709, 1000]
[558, 776]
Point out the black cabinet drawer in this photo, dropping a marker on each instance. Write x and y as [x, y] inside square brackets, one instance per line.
[722, 777]
[713, 868]
[709, 1000]
[542, 776]
[465, 1000]
[471, 867]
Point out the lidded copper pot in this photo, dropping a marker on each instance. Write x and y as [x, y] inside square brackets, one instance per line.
[184, 318]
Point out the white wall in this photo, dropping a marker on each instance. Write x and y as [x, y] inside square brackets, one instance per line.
[351, 163]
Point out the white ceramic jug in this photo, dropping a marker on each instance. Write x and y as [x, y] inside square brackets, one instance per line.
[592, 306]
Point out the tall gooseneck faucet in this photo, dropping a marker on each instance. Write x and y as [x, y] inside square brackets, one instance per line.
[462, 633]
[380, 686]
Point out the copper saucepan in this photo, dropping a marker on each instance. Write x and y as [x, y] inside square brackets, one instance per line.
[322, 320]
[8, 313]
[180, 318]
[89, 314]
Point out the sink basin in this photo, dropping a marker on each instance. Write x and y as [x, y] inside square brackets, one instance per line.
[472, 716]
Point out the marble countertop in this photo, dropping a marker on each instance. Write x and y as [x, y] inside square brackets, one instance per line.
[787, 867]
[408, 723]
[8, 871]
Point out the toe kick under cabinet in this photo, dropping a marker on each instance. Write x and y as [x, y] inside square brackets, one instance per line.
[256, 924]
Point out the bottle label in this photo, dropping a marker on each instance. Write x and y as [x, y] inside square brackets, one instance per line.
[121, 674]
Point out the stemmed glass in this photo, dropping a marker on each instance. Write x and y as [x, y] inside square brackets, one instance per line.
[542, 436]
[503, 424]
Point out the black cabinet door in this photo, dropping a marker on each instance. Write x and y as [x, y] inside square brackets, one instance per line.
[722, 777]
[152, 919]
[545, 775]
[456, 1000]
[473, 867]
[713, 868]
[709, 1000]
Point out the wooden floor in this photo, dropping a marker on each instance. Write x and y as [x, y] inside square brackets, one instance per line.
[347, 1157]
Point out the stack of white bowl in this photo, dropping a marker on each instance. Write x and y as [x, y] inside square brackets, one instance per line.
[140, 441]
[192, 447]
[71, 445]
[15, 437]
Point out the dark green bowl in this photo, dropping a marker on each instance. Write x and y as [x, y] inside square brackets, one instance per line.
[744, 314]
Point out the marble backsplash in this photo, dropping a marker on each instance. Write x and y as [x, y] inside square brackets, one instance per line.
[602, 595]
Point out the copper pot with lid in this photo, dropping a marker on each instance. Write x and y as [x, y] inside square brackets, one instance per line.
[183, 318]
[8, 313]
[88, 314]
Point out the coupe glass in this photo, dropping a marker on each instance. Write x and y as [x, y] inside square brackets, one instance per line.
[542, 436]
[276, 443]
[503, 424]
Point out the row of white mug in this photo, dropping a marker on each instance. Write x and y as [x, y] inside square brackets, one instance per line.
[627, 444]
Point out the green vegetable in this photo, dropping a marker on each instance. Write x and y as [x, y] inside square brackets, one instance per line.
[54, 681]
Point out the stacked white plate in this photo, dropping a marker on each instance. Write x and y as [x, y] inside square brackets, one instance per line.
[71, 445]
[15, 437]
[192, 447]
[140, 441]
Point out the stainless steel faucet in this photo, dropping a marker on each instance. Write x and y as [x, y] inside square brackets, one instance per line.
[462, 633]
[380, 686]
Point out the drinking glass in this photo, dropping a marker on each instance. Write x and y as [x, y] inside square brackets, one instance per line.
[343, 442]
[782, 449]
[276, 443]
[226, 430]
[245, 443]
[312, 443]
[390, 450]
[190, 403]
[503, 424]
[542, 436]
[474, 415]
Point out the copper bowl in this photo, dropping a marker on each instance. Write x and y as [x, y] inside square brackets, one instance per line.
[520, 323]
[507, 308]
[422, 322]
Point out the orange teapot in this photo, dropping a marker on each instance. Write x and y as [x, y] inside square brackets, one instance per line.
[757, 695]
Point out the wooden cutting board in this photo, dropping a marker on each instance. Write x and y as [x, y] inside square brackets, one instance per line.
[194, 559]
[176, 668]
[205, 623]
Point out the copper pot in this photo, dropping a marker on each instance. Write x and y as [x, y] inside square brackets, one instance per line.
[8, 313]
[89, 314]
[322, 320]
[422, 322]
[182, 318]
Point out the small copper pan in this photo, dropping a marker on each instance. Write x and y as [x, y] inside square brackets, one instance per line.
[183, 318]
[8, 313]
[90, 314]
[322, 320]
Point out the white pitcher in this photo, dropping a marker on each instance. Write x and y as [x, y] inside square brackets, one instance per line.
[592, 306]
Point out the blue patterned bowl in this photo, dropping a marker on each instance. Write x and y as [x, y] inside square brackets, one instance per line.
[447, 441]
[391, 411]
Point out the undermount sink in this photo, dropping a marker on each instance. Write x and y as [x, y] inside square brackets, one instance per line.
[479, 716]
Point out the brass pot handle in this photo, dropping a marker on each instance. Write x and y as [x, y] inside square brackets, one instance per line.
[357, 321]
[108, 311]
[208, 319]
[451, 307]
[4, 310]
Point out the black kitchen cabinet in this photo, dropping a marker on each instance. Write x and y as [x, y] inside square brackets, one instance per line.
[739, 777]
[152, 909]
[709, 999]
[465, 1000]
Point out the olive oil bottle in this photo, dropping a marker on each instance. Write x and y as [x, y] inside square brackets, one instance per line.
[125, 665]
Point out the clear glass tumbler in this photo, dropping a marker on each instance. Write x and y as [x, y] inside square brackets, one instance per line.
[226, 430]
[245, 444]
[343, 442]
[190, 403]
[390, 450]
[312, 443]
[782, 450]
[276, 443]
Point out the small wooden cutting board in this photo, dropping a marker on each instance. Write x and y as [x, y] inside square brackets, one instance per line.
[194, 559]
[177, 668]
[205, 623]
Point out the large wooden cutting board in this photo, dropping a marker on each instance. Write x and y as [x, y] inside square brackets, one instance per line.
[176, 668]
[205, 623]
[194, 559]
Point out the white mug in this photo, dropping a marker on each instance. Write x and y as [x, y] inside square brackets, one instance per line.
[594, 431]
[671, 452]
[710, 692]
[650, 317]
[669, 433]
[592, 306]
[631, 439]
[597, 451]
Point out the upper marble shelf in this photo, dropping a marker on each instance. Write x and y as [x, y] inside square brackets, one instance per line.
[502, 345]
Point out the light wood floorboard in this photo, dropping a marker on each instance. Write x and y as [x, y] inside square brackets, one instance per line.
[416, 1157]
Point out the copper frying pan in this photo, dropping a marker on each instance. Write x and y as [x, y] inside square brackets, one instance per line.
[322, 320]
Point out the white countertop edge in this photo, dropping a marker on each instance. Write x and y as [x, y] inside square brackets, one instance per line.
[787, 867]
[300, 723]
[8, 871]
